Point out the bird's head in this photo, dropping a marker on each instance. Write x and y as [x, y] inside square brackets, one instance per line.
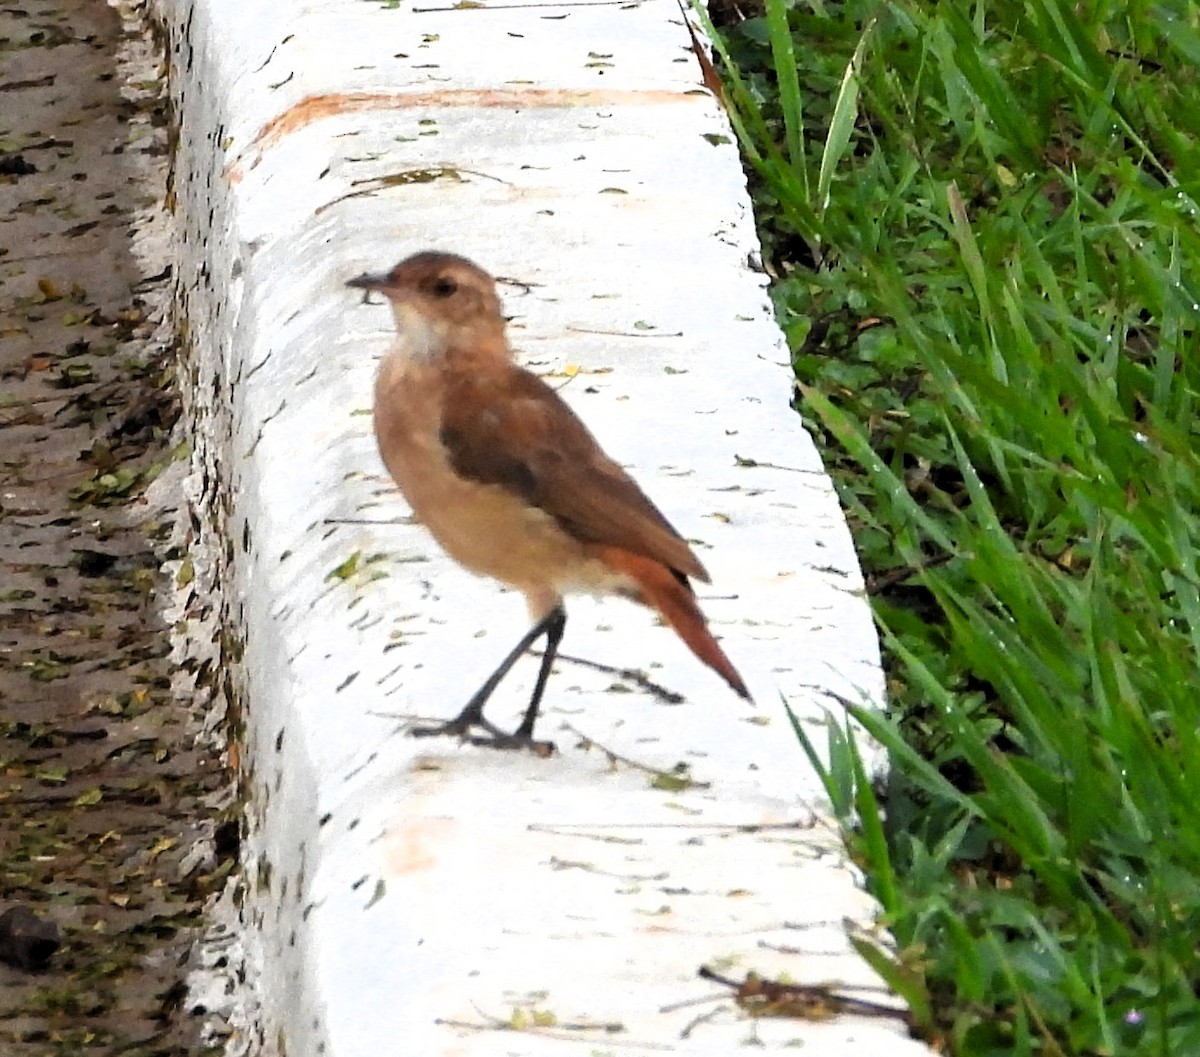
[439, 300]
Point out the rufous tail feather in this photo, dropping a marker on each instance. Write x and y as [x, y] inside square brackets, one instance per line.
[660, 589]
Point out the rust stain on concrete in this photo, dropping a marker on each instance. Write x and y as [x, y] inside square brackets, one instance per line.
[318, 107]
[414, 846]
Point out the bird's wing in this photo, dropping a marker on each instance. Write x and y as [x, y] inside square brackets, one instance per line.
[509, 428]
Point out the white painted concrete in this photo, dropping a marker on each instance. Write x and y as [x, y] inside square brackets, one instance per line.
[405, 897]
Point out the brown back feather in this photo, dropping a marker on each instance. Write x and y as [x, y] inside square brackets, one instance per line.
[503, 425]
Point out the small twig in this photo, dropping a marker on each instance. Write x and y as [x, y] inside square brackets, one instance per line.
[770, 998]
[633, 675]
[696, 1021]
[368, 186]
[674, 779]
[675, 1007]
[736, 827]
[779, 948]
[565, 1032]
[751, 464]
[403, 520]
[508, 280]
[877, 584]
[573, 864]
[625, 333]
[405, 719]
[472, 6]
[427, 174]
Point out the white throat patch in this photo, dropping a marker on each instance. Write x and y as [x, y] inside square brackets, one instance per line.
[418, 337]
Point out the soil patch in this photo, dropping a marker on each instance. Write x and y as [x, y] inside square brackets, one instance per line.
[104, 789]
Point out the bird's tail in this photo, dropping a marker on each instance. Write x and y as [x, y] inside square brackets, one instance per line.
[660, 589]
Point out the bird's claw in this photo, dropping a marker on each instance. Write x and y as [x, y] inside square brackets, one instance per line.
[495, 738]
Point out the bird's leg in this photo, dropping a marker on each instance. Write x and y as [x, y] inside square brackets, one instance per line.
[551, 625]
[556, 623]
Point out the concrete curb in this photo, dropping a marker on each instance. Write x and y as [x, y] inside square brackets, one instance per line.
[414, 898]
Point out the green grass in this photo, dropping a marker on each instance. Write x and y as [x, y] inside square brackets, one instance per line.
[983, 222]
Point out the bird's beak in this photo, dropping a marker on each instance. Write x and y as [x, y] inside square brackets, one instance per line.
[368, 281]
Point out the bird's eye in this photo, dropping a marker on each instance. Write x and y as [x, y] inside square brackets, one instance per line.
[443, 286]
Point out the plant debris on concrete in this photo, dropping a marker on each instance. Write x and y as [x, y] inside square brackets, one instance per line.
[106, 828]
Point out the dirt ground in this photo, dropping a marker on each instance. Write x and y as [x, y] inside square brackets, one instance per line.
[104, 786]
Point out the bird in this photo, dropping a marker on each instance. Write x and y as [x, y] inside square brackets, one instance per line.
[511, 483]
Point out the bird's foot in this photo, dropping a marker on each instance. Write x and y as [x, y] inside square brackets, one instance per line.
[544, 749]
[494, 738]
[459, 727]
